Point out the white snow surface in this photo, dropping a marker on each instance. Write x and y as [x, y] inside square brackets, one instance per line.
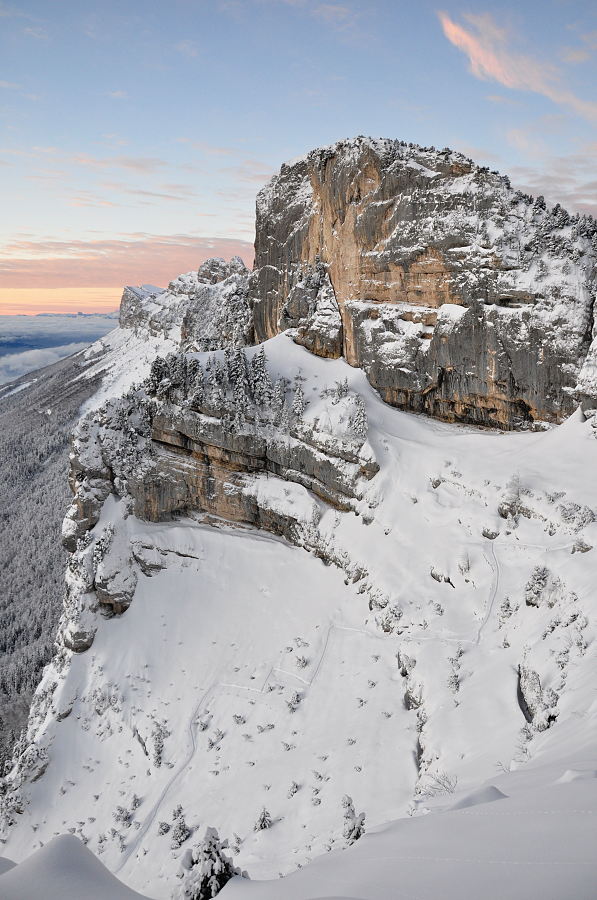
[261, 667]
[538, 842]
[63, 870]
[6, 865]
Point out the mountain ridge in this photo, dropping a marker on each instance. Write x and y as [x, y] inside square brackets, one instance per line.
[282, 590]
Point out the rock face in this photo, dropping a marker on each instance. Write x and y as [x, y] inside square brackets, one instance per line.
[195, 440]
[458, 296]
[210, 306]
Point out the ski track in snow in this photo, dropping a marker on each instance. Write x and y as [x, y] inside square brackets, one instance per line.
[495, 568]
[410, 450]
[150, 818]
[170, 784]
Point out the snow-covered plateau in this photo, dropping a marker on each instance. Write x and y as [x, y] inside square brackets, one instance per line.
[294, 613]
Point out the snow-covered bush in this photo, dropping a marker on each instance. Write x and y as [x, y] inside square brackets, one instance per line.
[180, 830]
[439, 783]
[264, 820]
[210, 869]
[358, 421]
[293, 789]
[354, 825]
[159, 734]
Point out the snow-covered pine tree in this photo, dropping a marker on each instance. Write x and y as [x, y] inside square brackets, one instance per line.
[158, 372]
[264, 821]
[299, 404]
[354, 826]
[193, 366]
[220, 373]
[240, 379]
[284, 424]
[210, 870]
[215, 381]
[198, 387]
[278, 399]
[341, 391]
[180, 829]
[262, 385]
[178, 369]
[358, 421]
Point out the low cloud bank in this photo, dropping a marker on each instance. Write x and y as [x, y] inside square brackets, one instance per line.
[14, 365]
[31, 342]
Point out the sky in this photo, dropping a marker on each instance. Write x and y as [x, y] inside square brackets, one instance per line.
[134, 135]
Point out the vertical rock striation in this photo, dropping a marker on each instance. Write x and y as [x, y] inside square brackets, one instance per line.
[458, 296]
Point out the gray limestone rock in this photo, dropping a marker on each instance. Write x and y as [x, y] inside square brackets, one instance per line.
[458, 296]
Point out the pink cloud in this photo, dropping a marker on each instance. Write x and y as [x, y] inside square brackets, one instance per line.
[134, 259]
[211, 149]
[491, 59]
[575, 54]
[135, 164]
[251, 170]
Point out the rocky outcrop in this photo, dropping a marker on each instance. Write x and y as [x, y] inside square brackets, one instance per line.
[207, 430]
[209, 306]
[311, 312]
[458, 296]
[202, 440]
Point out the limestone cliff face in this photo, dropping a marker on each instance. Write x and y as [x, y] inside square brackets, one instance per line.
[458, 296]
[226, 442]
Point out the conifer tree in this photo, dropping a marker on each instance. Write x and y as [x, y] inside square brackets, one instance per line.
[298, 404]
[210, 869]
[354, 826]
[264, 821]
[358, 421]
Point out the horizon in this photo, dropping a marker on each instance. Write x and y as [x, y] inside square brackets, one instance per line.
[78, 312]
[149, 161]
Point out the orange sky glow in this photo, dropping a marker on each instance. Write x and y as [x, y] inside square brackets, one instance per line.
[30, 301]
[88, 276]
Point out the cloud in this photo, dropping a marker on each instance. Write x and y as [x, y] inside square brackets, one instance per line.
[501, 99]
[13, 12]
[117, 95]
[340, 17]
[132, 259]
[526, 141]
[115, 140]
[10, 86]
[20, 333]
[570, 180]
[86, 198]
[143, 164]
[175, 193]
[40, 34]
[25, 302]
[575, 54]
[333, 14]
[250, 170]
[584, 52]
[487, 46]
[204, 147]
[29, 342]
[17, 364]
[187, 48]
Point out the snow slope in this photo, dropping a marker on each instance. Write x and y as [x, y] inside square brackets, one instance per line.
[63, 870]
[248, 674]
[538, 842]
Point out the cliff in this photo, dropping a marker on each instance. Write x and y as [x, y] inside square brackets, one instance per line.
[458, 296]
[289, 590]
